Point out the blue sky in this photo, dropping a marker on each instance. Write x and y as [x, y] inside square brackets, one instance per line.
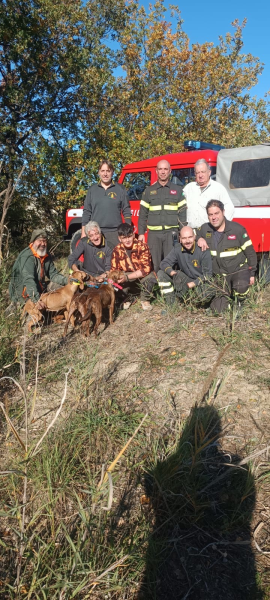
[204, 22]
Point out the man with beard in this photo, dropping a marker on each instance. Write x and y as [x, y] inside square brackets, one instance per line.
[30, 269]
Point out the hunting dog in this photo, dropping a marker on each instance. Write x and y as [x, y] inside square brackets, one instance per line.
[60, 299]
[92, 302]
[57, 300]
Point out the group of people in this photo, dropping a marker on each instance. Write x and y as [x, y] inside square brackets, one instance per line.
[192, 243]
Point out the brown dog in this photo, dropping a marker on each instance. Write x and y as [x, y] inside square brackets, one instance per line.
[77, 305]
[104, 297]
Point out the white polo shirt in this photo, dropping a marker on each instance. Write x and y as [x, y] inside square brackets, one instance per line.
[197, 199]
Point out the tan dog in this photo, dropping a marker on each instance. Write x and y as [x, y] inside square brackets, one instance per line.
[60, 299]
[34, 313]
[57, 300]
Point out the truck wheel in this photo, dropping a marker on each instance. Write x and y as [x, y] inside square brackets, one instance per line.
[75, 239]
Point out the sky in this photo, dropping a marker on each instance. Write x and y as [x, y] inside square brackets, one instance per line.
[205, 22]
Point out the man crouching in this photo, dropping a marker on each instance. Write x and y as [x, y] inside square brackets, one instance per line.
[32, 270]
[133, 258]
[184, 268]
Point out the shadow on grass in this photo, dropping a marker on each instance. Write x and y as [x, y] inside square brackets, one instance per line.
[202, 501]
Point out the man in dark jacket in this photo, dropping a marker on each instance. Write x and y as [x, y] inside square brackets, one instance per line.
[105, 202]
[185, 267]
[233, 256]
[29, 271]
[162, 212]
[96, 252]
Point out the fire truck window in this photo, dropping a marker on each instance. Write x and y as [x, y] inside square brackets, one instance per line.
[250, 173]
[184, 176]
[136, 183]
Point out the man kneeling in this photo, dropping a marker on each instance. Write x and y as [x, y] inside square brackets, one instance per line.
[96, 252]
[194, 268]
[133, 258]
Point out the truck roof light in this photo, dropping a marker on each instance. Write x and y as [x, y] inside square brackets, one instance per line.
[197, 145]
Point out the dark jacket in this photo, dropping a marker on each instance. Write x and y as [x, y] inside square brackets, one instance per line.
[233, 252]
[105, 206]
[194, 263]
[96, 259]
[28, 276]
[162, 207]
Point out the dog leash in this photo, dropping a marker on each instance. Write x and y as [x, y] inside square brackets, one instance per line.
[115, 286]
[75, 281]
[92, 285]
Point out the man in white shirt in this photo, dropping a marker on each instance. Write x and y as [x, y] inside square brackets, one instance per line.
[199, 192]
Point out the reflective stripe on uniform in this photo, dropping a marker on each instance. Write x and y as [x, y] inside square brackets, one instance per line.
[182, 203]
[160, 227]
[232, 253]
[157, 207]
[242, 264]
[246, 244]
[170, 207]
[242, 293]
[213, 253]
[166, 287]
[166, 284]
[143, 203]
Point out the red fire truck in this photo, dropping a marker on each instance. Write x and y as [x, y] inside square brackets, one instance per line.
[245, 173]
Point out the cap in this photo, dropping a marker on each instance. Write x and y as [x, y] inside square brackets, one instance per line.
[38, 233]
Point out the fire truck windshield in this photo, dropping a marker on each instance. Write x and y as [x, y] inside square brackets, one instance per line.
[135, 183]
[184, 176]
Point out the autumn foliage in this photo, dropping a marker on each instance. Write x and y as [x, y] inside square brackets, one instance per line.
[79, 81]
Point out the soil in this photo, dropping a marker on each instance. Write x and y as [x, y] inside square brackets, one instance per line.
[167, 361]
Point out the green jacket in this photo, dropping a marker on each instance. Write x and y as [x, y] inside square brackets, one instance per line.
[232, 251]
[28, 276]
[162, 207]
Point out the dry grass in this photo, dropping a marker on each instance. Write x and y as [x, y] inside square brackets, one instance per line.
[185, 509]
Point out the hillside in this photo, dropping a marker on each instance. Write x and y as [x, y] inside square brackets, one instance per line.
[184, 512]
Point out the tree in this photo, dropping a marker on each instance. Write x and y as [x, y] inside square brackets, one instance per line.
[51, 53]
[173, 91]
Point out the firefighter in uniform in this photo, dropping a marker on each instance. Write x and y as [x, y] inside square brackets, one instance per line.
[234, 258]
[186, 267]
[162, 211]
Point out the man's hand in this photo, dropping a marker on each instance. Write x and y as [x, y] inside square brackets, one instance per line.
[101, 277]
[202, 244]
[173, 273]
[191, 284]
[40, 305]
[251, 280]
[122, 279]
[141, 238]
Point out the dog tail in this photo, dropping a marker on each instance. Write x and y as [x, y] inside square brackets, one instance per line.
[86, 316]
